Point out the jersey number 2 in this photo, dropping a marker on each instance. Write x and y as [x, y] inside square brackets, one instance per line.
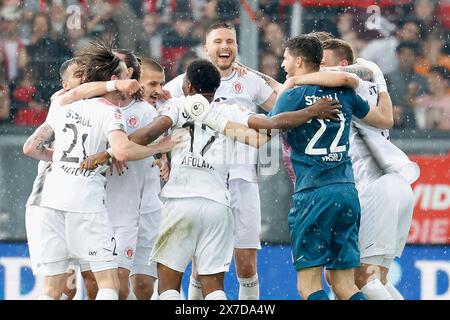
[334, 148]
[65, 158]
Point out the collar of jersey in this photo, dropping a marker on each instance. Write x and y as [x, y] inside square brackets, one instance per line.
[129, 105]
[230, 76]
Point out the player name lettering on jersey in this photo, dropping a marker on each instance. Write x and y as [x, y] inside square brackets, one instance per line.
[77, 171]
[333, 157]
[86, 122]
[311, 99]
[193, 161]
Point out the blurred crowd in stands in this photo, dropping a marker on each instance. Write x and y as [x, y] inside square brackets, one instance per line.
[411, 44]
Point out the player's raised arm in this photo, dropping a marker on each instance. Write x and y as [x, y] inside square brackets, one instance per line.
[327, 79]
[360, 71]
[99, 88]
[323, 109]
[380, 116]
[36, 145]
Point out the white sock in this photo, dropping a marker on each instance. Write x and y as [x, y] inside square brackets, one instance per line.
[249, 288]
[107, 294]
[374, 290]
[131, 296]
[393, 291]
[170, 295]
[44, 297]
[216, 295]
[195, 290]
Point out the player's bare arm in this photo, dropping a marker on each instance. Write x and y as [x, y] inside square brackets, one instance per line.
[245, 135]
[125, 150]
[98, 88]
[327, 79]
[360, 71]
[142, 136]
[151, 131]
[380, 116]
[324, 108]
[36, 145]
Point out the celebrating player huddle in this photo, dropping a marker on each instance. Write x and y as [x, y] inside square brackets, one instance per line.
[121, 228]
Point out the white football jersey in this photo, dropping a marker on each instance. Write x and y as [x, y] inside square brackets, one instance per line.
[81, 129]
[43, 167]
[389, 157]
[201, 168]
[247, 91]
[123, 193]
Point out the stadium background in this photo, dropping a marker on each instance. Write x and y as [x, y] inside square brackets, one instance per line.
[36, 36]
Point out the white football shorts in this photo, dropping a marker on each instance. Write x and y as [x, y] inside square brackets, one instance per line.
[386, 213]
[195, 228]
[246, 207]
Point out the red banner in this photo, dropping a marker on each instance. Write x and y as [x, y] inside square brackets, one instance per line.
[431, 220]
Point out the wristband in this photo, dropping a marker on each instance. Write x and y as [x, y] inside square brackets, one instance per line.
[110, 85]
[110, 152]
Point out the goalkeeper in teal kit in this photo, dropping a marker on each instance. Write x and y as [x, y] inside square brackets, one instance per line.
[324, 219]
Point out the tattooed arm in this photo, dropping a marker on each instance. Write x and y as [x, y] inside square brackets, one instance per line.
[362, 72]
[36, 145]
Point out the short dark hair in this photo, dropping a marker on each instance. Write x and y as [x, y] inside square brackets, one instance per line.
[66, 64]
[99, 61]
[309, 48]
[152, 64]
[341, 48]
[321, 35]
[203, 75]
[220, 25]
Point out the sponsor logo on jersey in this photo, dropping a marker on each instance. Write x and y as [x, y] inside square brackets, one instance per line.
[129, 252]
[132, 121]
[237, 87]
[118, 115]
[197, 108]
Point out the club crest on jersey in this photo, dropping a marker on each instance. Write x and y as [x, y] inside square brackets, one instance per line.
[129, 252]
[237, 87]
[197, 108]
[132, 121]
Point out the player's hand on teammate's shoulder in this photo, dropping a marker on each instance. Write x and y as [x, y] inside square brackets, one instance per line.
[129, 86]
[326, 108]
[288, 84]
[92, 162]
[240, 69]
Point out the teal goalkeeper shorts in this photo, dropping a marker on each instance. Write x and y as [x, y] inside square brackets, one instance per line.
[324, 227]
